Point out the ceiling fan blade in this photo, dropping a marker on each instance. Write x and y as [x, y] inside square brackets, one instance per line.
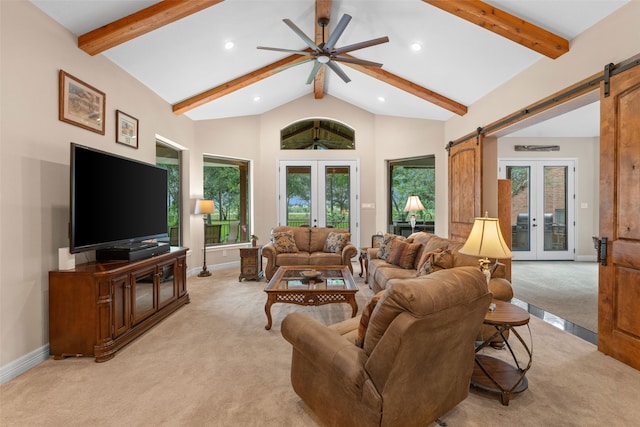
[336, 69]
[360, 45]
[302, 35]
[353, 60]
[286, 67]
[335, 35]
[314, 71]
[277, 49]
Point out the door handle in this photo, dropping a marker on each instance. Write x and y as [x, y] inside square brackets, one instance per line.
[601, 247]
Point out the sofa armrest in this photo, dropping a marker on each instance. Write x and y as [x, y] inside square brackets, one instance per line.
[348, 252]
[270, 253]
[372, 253]
[327, 350]
[501, 289]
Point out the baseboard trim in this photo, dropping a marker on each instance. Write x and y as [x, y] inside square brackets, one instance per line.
[586, 258]
[23, 364]
[195, 271]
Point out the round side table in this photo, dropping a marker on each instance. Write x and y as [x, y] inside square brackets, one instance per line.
[496, 375]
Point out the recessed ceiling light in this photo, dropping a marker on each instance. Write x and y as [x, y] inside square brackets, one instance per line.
[256, 98]
[381, 98]
[416, 46]
[229, 45]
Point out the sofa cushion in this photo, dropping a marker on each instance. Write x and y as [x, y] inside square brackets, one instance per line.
[284, 242]
[403, 254]
[297, 258]
[324, 258]
[385, 247]
[364, 318]
[425, 265]
[442, 260]
[318, 237]
[336, 242]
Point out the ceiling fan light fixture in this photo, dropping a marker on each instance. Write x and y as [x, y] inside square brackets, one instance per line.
[229, 45]
[323, 59]
[416, 47]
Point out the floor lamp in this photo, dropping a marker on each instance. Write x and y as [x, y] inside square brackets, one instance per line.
[413, 204]
[486, 241]
[204, 207]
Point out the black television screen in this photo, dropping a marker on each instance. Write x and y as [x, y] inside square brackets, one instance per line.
[114, 200]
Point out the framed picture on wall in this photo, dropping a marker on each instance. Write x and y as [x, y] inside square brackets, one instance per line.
[126, 129]
[80, 104]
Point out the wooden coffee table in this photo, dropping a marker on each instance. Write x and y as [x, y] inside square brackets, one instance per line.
[494, 374]
[334, 285]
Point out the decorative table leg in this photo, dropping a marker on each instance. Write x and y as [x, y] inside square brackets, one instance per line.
[267, 309]
[354, 305]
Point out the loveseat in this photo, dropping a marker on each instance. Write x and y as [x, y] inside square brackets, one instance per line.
[308, 246]
[406, 361]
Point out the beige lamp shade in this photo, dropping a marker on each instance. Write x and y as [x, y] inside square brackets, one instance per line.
[485, 240]
[413, 204]
[204, 207]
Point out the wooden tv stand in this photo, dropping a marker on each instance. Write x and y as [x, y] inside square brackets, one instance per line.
[99, 307]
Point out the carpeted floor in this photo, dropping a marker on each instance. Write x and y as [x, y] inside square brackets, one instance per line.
[212, 363]
[567, 289]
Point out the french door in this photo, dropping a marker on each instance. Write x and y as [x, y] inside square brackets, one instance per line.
[542, 208]
[319, 193]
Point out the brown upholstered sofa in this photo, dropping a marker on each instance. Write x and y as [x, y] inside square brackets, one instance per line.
[382, 273]
[416, 360]
[310, 248]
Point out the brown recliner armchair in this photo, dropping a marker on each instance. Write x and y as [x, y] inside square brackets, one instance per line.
[416, 361]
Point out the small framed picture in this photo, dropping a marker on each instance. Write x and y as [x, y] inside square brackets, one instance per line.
[126, 129]
[80, 104]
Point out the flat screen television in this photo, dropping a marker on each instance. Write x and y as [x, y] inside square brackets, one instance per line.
[115, 201]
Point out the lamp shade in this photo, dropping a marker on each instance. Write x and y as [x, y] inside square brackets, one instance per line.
[485, 240]
[204, 207]
[413, 204]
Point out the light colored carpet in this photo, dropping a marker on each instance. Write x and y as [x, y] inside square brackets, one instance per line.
[212, 363]
[567, 289]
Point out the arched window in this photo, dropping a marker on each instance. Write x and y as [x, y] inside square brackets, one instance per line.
[317, 134]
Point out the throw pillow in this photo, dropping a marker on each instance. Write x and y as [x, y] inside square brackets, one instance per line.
[336, 242]
[403, 254]
[425, 265]
[385, 247]
[284, 242]
[364, 318]
[442, 260]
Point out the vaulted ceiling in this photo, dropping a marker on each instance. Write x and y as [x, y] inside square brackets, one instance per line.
[468, 48]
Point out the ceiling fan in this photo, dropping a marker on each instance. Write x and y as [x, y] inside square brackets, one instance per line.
[326, 52]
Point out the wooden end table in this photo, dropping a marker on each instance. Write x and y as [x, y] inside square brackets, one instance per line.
[494, 374]
[251, 263]
[335, 285]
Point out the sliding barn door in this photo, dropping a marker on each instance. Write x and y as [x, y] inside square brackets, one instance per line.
[619, 279]
[465, 184]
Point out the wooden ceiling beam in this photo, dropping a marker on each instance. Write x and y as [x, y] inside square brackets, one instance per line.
[139, 23]
[506, 25]
[323, 10]
[410, 87]
[237, 84]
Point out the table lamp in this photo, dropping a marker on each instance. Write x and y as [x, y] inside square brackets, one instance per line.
[413, 204]
[486, 241]
[204, 207]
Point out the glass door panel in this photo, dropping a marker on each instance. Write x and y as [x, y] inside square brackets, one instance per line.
[298, 196]
[520, 177]
[143, 296]
[555, 208]
[166, 286]
[337, 196]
